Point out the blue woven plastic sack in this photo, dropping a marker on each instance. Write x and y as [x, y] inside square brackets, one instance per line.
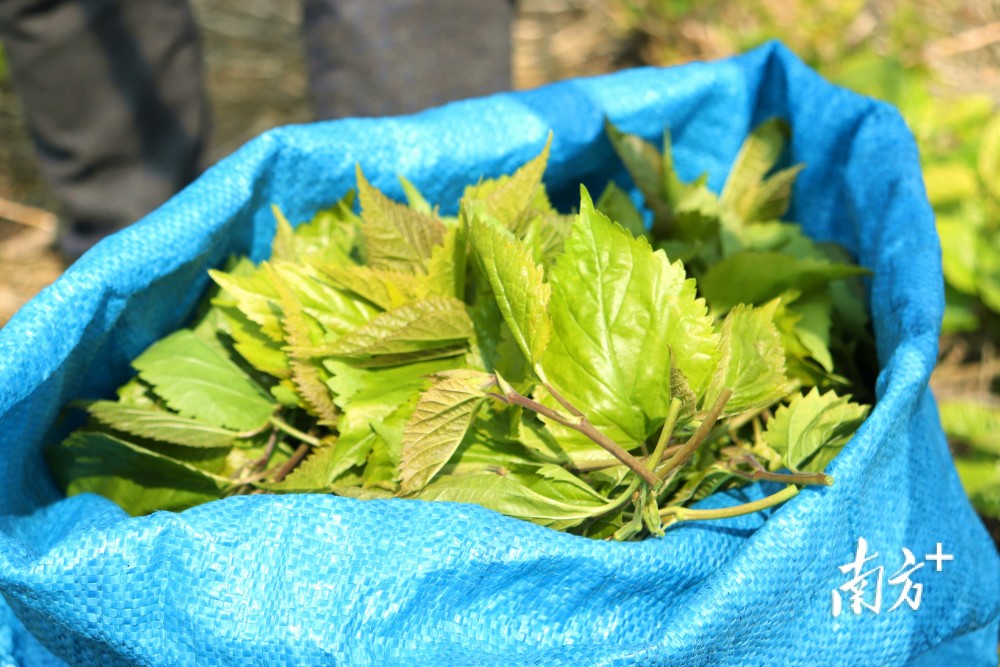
[312, 579]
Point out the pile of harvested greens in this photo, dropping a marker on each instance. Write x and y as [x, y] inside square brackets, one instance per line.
[589, 372]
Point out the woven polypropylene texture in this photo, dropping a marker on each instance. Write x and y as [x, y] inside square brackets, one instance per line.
[311, 579]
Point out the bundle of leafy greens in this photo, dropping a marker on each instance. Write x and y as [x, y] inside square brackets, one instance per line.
[579, 371]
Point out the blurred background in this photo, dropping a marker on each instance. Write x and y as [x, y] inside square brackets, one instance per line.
[937, 61]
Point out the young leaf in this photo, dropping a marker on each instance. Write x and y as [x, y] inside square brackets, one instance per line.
[332, 236]
[616, 204]
[283, 245]
[253, 294]
[446, 267]
[397, 237]
[369, 396]
[752, 364]
[437, 426]
[812, 429]
[757, 156]
[382, 468]
[336, 310]
[139, 480]
[618, 311]
[509, 496]
[753, 277]
[771, 199]
[193, 379]
[512, 200]
[261, 352]
[645, 165]
[156, 424]
[673, 189]
[545, 237]
[313, 475]
[430, 324]
[415, 200]
[385, 289]
[308, 376]
[518, 287]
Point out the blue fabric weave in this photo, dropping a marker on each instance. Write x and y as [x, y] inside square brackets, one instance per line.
[311, 579]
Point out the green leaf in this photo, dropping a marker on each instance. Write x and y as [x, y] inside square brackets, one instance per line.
[513, 200]
[308, 376]
[673, 189]
[812, 429]
[333, 236]
[510, 496]
[518, 287]
[397, 237]
[617, 205]
[753, 277]
[194, 380]
[139, 480]
[618, 311]
[385, 289]
[437, 427]
[382, 468]
[975, 424]
[545, 237]
[752, 364]
[155, 424]
[483, 451]
[261, 352]
[645, 165]
[415, 200]
[283, 245]
[369, 396]
[310, 476]
[805, 323]
[336, 310]
[772, 198]
[254, 296]
[446, 267]
[419, 326]
[758, 155]
[136, 394]
[557, 482]
[989, 157]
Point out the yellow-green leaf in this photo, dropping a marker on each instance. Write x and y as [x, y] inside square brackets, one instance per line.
[518, 286]
[437, 426]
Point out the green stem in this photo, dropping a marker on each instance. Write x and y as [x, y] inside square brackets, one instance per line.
[668, 432]
[620, 500]
[676, 461]
[759, 472]
[294, 432]
[686, 514]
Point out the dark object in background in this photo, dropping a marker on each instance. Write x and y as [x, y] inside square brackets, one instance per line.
[114, 98]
